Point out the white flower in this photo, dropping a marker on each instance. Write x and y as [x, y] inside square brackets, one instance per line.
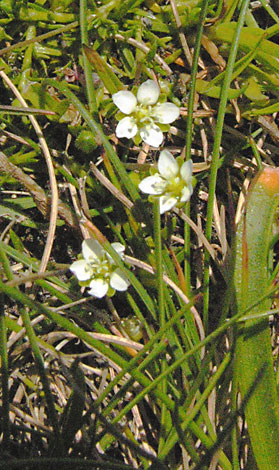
[142, 113]
[173, 183]
[98, 270]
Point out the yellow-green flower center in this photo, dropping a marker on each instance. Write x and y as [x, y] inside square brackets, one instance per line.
[101, 267]
[143, 113]
[175, 186]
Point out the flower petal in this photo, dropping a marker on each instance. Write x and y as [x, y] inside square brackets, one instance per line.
[118, 247]
[167, 165]
[148, 92]
[82, 270]
[126, 128]
[125, 101]
[187, 192]
[98, 288]
[152, 135]
[91, 249]
[118, 280]
[167, 202]
[165, 113]
[154, 185]
[186, 171]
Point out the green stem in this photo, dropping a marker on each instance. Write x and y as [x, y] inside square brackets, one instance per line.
[161, 304]
[194, 71]
[216, 151]
[159, 263]
[189, 135]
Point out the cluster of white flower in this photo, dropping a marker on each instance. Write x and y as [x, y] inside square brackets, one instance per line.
[173, 183]
[141, 117]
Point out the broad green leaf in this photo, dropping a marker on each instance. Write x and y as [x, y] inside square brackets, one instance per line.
[267, 52]
[254, 371]
[203, 87]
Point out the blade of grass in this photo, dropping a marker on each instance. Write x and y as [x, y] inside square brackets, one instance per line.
[191, 414]
[90, 90]
[149, 386]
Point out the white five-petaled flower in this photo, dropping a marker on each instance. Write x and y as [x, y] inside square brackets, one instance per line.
[144, 113]
[97, 269]
[173, 183]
